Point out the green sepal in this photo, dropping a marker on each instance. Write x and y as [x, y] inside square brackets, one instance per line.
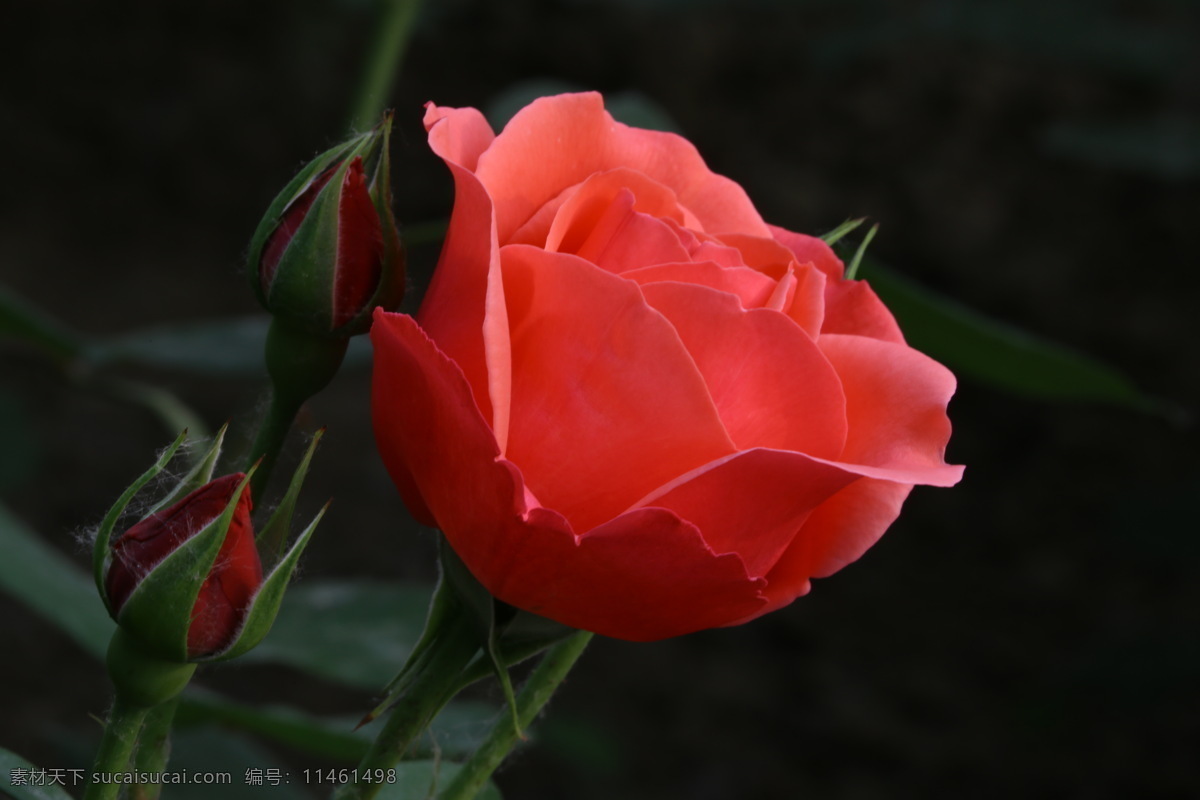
[198, 476]
[289, 193]
[158, 611]
[273, 536]
[310, 260]
[267, 600]
[847, 227]
[490, 615]
[101, 552]
[852, 267]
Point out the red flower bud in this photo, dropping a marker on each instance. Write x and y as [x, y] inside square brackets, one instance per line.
[328, 252]
[236, 575]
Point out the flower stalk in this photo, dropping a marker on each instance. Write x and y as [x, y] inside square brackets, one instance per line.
[534, 695]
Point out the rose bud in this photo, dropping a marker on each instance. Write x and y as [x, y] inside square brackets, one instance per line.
[631, 405]
[327, 252]
[236, 575]
[185, 583]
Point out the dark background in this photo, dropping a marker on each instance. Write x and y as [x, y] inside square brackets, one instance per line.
[1031, 632]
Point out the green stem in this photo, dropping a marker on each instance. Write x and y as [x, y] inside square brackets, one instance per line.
[391, 38]
[545, 678]
[435, 679]
[300, 365]
[120, 736]
[154, 748]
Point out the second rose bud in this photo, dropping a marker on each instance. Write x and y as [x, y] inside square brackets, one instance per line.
[328, 252]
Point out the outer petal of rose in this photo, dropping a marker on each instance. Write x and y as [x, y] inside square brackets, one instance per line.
[642, 576]
[836, 534]
[771, 383]
[810, 249]
[463, 310]
[462, 135]
[852, 307]
[751, 287]
[896, 408]
[606, 402]
[753, 502]
[559, 141]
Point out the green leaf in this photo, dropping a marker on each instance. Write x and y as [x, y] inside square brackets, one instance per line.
[351, 632]
[13, 766]
[49, 584]
[420, 780]
[998, 354]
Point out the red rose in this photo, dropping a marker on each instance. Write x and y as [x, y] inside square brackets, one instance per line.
[631, 405]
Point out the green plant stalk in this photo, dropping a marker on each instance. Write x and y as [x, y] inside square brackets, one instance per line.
[120, 737]
[382, 66]
[154, 748]
[434, 681]
[542, 683]
[300, 365]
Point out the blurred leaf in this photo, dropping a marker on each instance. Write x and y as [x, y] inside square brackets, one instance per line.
[419, 780]
[24, 322]
[1166, 147]
[211, 749]
[995, 353]
[455, 733]
[22, 453]
[10, 763]
[47, 582]
[331, 738]
[630, 107]
[353, 632]
[230, 347]
[215, 347]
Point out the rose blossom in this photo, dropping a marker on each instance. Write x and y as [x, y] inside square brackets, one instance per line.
[630, 404]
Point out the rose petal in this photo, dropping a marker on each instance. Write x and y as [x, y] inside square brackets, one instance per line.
[896, 407]
[810, 250]
[752, 288]
[606, 403]
[642, 576]
[807, 307]
[762, 253]
[751, 503]
[606, 230]
[461, 137]
[836, 534]
[560, 141]
[466, 293]
[852, 307]
[771, 384]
